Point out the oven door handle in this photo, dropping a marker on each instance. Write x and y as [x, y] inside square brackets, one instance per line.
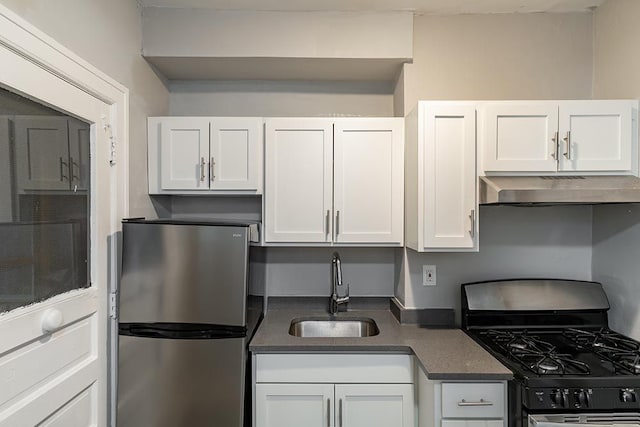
[544, 421]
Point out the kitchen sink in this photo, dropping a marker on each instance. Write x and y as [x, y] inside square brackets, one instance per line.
[318, 327]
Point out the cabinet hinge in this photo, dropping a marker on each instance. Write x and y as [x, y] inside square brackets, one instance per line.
[111, 140]
[113, 301]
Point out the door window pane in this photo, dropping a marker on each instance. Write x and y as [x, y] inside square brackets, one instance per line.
[44, 202]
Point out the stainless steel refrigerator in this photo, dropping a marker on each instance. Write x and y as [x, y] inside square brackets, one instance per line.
[185, 318]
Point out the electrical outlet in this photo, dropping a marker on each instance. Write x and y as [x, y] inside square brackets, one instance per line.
[428, 275]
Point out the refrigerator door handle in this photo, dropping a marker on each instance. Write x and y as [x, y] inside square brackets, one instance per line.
[181, 331]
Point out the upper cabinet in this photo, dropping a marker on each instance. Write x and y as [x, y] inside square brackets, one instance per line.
[542, 137]
[441, 181]
[334, 181]
[200, 155]
[52, 153]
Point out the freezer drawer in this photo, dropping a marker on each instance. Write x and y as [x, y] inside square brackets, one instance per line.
[181, 382]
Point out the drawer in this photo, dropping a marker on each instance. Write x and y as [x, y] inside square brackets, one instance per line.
[472, 423]
[334, 368]
[473, 400]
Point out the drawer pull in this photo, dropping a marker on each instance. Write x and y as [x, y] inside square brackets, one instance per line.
[481, 402]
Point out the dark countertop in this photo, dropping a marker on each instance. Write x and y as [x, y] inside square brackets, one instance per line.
[444, 354]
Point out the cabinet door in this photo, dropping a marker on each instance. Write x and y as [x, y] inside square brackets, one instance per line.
[298, 166]
[294, 405]
[374, 405]
[449, 176]
[184, 153]
[596, 135]
[519, 137]
[369, 181]
[42, 153]
[79, 145]
[236, 154]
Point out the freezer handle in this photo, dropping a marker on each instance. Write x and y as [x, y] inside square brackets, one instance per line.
[189, 331]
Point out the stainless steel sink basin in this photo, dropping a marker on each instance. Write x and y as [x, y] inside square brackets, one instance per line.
[318, 327]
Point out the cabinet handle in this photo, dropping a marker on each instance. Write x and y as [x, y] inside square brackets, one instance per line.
[340, 411]
[211, 166]
[337, 223]
[62, 165]
[472, 217]
[328, 412]
[326, 222]
[567, 141]
[481, 402]
[72, 169]
[555, 145]
[202, 169]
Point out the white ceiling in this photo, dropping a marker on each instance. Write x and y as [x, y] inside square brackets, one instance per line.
[436, 7]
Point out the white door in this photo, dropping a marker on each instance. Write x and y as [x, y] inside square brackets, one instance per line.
[519, 137]
[374, 405]
[236, 154]
[42, 153]
[369, 181]
[298, 180]
[53, 360]
[184, 153]
[294, 405]
[79, 137]
[450, 204]
[596, 135]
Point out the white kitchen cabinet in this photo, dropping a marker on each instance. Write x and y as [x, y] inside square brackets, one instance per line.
[461, 404]
[368, 181]
[52, 153]
[298, 180]
[473, 423]
[205, 155]
[294, 405]
[597, 135]
[42, 153]
[440, 179]
[566, 137]
[341, 390]
[374, 405]
[334, 181]
[79, 144]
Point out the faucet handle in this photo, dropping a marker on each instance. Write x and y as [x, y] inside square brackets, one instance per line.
[347, 293]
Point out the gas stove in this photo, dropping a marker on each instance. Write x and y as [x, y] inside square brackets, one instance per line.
[554, 336]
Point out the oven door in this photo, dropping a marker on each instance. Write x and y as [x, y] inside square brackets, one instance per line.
[591, 420]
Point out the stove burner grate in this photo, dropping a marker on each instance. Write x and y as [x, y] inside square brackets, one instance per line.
[623, 352]
[535, 354]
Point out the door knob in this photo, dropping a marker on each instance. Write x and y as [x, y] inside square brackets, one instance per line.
[52, 320]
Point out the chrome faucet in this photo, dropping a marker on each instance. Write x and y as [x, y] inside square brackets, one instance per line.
[336, 282]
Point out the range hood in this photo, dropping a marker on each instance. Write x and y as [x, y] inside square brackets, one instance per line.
[559, 189]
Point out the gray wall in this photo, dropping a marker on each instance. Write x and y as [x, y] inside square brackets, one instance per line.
[500, 56]
[108, 35]
[281, 98]
[616, 263]
[515, 242]
[616, 229]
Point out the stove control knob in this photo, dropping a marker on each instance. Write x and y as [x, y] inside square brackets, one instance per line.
[583, 398]
[558, 398]
[628, 395]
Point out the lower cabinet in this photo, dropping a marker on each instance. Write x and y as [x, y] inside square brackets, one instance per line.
[334, 390]
[293, 405]
[339, 405]
[472, 423]
[461, 404]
